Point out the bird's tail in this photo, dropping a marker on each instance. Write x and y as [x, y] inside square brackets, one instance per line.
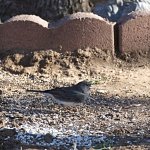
[91, 98]
[37, 91]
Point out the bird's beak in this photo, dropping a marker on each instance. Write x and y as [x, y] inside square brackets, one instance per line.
[90, 83]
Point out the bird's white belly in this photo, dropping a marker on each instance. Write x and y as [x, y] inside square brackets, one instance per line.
[58, 101]
[66, 103]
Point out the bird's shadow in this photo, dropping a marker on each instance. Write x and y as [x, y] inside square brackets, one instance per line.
[28, 107]
[40, 142]
[119, 101]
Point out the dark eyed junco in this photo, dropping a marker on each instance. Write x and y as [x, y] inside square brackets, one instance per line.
[72, 95]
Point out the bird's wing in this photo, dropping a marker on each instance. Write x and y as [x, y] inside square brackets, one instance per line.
[67, 94]
[56, 91]
[51, 91]
[37, 91]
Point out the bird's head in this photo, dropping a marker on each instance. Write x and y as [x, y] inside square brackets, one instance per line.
[84, 86]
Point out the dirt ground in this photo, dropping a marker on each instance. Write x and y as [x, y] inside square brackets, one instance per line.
[118, 116]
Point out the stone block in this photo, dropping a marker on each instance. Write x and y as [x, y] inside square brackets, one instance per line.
[79, 30]
[134, 34]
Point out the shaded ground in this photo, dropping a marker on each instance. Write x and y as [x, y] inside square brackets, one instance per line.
[117, 118]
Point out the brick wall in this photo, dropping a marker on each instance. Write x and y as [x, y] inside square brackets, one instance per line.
[80, 30]
[134, 33]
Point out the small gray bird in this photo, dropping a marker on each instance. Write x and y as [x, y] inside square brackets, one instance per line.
[72, 95]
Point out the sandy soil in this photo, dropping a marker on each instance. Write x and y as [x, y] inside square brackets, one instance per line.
[117, 118]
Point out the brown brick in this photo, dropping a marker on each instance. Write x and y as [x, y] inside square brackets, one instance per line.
[80, 30]
[134, 33]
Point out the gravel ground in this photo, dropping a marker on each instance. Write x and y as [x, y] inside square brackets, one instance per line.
[118, 116]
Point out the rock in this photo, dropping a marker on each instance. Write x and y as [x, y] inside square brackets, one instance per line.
[48, 10]
[111, 10]
[7, 133]
[143, 5]
[48, 138]
[114, 10]
[1, 92]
